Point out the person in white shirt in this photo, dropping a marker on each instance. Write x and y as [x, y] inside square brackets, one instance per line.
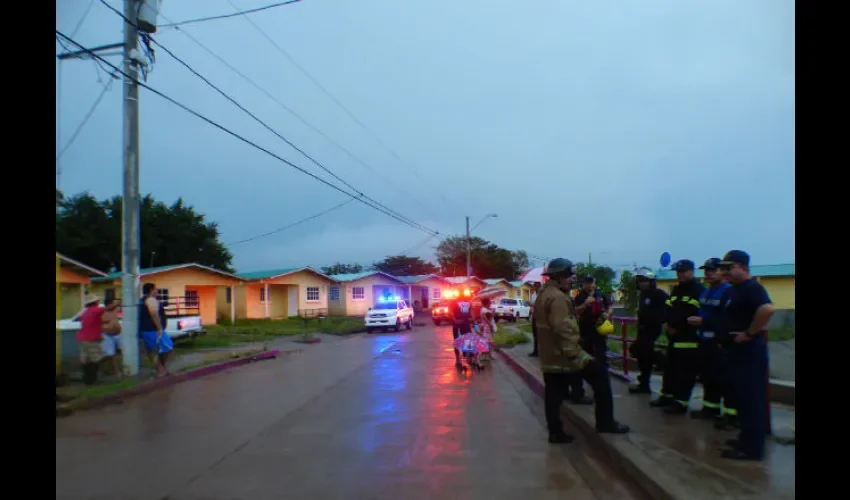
[536, 287]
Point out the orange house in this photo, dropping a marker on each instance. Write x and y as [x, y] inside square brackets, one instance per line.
[74, 278]
[282, 293]
[182, 286]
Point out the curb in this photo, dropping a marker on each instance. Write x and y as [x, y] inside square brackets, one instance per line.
[147, 387]
[652, 485]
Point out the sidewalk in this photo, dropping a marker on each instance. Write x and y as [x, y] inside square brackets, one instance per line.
[680, 456]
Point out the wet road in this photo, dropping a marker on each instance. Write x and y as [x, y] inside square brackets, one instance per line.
[368, 418]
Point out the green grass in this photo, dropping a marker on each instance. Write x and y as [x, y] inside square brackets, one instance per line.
[507, 337]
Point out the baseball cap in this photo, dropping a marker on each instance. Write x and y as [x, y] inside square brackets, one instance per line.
[735, 257]
[712, 263]
[588, 278]
[683, 265]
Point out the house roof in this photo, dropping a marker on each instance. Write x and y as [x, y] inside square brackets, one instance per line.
[494, 281]
[774, 270]
[419, 278]
[516, 284]
[459, 280]
[163, 269]
[275, 273]
[78, 267]
[342, 278]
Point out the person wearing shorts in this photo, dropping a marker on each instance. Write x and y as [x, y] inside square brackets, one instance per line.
[152, 321]
[111, 343]
[89, 338]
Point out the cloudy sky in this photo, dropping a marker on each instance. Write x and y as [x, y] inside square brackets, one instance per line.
[624, 128]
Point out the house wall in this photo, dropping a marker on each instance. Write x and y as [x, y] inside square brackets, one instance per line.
[71, 301]
[781, 290]
[373, 285]
[223, 306]
[248, 303]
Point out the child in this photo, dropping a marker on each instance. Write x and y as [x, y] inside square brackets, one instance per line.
[488, 324]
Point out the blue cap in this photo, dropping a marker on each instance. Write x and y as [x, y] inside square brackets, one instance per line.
[684, 265]
[712, 263]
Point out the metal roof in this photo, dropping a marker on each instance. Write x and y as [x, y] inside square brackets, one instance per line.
[78, 267]
[417, 278]
[161, 269]
[493, 281]
[342, 278]
[274, 273]
[769, 270]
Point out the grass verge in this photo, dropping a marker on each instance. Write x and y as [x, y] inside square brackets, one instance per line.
[507, 337]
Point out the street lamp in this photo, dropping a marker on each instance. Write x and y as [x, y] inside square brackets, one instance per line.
[469, 242]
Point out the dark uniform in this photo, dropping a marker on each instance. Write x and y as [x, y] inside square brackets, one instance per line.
[596, 345]
[460, 310]
[683, 348]
[749, 362]
[561, 357]
[713, 365]
[652, 308]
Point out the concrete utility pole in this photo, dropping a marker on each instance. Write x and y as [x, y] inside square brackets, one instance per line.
[131, 223]
[468, 250]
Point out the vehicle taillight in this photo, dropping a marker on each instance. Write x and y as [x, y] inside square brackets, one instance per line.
[510, 309]
[179, 325]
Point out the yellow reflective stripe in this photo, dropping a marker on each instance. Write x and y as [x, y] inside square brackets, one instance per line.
[730, 411]
[674, 298]
[694, 303]
[686, 299]
[685, 345]
[683, 403]
[661, 394]
[668, 302]
[709, 404]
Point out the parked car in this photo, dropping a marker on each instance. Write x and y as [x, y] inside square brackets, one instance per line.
[389, 313]
[512, 309]
[439, 314]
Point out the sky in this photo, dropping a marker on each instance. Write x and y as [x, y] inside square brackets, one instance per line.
[616, 128]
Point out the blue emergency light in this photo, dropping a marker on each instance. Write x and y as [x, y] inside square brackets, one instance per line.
[389, 299]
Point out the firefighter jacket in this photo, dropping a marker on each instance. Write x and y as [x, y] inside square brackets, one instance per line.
[683, 303]
[557, 331]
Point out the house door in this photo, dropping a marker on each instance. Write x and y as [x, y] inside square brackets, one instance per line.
[292, 291]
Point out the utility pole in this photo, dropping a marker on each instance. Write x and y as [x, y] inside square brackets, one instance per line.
[468, 250]
[589, 259]
[131, 223]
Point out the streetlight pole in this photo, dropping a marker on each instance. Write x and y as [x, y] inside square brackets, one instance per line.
[469, 242]
[130, 244]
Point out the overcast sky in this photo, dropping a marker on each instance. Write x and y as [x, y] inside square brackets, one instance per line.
[624, 128]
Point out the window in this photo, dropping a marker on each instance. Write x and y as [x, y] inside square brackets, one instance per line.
[228, 295]
[334, 293]
[263, 294]
[436, 293]
[358, 293]
[108, 295]
[312, 294]
[191, 299]
[162, 295]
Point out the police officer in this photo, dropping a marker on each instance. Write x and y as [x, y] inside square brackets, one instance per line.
[712, 302]
[683, 337]
[561, 356]
[652, 307]
[747, 313]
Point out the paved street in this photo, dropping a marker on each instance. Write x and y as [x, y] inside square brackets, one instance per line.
[383, 416]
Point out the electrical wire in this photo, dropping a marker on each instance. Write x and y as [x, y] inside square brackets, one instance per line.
[418, 245]
[384, 178]
[263, 235]
[236, 135]
[225, 16]
[82, 19]
[325, 91]
[82, 124]
[270, 129]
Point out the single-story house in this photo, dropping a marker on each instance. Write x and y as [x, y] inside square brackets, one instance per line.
[426, 289]
[279, 293]
[472, 282]
[501, 283]
[522, 290]
[184, 288]
[72, 279]
[354, 294]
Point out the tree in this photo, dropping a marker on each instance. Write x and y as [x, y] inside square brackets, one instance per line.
[90, 231]
[604, 275]
[402, 265]
[631, 294]
[340, 268]
[487, 259]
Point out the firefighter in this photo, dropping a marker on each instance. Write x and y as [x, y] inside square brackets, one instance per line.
[746, 315]
[683, 365]
[652, 306]
[712, 302]
[561, 356]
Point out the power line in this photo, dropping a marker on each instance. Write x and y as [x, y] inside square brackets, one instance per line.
[330, 96]
[346, 202]
[237, 136]
[419, 245]
[289, 110]
[82, 19]
[270, 129]
[225, 16]
[85, 120]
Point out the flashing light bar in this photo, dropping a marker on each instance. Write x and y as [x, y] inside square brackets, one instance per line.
[389, 299]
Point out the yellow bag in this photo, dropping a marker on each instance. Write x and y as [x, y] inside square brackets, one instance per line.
[606, 328]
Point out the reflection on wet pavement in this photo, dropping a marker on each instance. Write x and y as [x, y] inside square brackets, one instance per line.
[376, 417]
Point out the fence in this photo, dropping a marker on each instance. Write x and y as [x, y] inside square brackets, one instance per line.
[624, 322]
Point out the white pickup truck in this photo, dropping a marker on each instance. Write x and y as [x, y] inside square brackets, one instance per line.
[177, 327]
[393, 313]
[512, 309]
